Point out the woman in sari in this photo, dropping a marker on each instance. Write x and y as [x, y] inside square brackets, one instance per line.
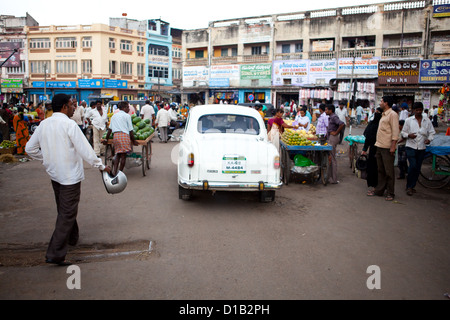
[276, 126]
[21, 128]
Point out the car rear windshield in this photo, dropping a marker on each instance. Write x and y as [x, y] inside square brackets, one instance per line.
[228, 123]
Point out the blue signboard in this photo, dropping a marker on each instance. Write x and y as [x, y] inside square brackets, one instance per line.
[90, 83]
[119, 84]
[434, 71]
[219, 82]
[442, 10]
[55, 84]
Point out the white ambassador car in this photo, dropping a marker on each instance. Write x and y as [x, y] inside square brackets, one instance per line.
[225, 148]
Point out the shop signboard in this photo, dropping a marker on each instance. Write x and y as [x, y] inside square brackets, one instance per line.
[441, 47]
[395, 72]
[55, 84]
[12, 85]
[219, 82]
[224, 76]
[90, 83]
[6, 49]
[160, 61]
[322, 45]
[116, 84]
[440, 11]
[296, 71]
[256, 71]
[360, 66]
[195, 76]
[321, 71]
[434, 71]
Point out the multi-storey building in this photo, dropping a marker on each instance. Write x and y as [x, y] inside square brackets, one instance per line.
[14, 73]
[87, 62]
[177, 63]
[312, 56]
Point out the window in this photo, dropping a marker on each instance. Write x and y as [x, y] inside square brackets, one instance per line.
[176, 73]
[40, 43]
[40, 66]
[286, 48]
[126, 68]
[140, 47]
[140, 69]
[256, 50]
[112, 67]
[126, 45]
[164, 29]
[224, 52]
[152, 25]
[158, 72]
[86, 66]
[199, 54]
[176, 52]
[63, 43]
[16, 70]
[112, 43]
[228, 123]
[299, 47]
[66, 66]
[156, 50]
[234, 52]
[86, 42]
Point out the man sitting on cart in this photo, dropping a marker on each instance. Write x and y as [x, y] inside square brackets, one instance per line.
[123, 141]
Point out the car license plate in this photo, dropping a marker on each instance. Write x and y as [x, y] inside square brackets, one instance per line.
[234, 164]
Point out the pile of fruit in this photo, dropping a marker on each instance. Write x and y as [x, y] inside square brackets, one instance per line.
[142, 129]
[293, 137]
[7, 144]
[311, 134]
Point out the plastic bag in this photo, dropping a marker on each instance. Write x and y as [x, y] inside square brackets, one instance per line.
[302, 161]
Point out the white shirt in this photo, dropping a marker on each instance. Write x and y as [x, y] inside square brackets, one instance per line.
[404, 114]
[163, 118]
[61, 146]
[424, 132]
[173, 114]
[342, 114]
[99, 121]
[147, 112]
[78, 115]
[303, 120]
[359, 111]
[121, 122]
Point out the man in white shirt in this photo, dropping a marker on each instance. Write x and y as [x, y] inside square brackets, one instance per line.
[61, 146]
[163, 121]
[419, 131]
[404, 114]
[173, 117]
[342, 113]
[78, 115]
[99, 119]
[148, 112]
[359, 114]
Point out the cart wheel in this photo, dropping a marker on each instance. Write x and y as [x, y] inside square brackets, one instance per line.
[324, 167]
[352, 154]
[144, 159]
[149, 155]
[109, 155]
[429, 178]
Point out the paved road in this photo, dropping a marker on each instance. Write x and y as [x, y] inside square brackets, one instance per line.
[313, 242]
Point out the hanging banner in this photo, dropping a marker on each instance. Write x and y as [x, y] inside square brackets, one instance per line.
[398, 72]
[195, 76]
[296, 71]
[256, 71]
[6, 49]
[322, 71]
[360, 67]
[434, 71]
[224, 76]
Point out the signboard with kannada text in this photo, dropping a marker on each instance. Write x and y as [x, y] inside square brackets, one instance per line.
[119, 84]
[55, 84]
[396, 72]
[434, 71]
[90, 83]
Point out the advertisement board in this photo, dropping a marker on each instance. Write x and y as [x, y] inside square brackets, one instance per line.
[224, 76]
[295, 70]
[398, 72]
[434, 71]
[360, 67]
[6, 49]
[256, 71]
[321, 71]
[195, 75]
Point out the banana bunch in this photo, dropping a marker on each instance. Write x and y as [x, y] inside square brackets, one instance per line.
[6, 144]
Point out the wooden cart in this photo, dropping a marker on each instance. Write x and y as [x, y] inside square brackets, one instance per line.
[145, 155]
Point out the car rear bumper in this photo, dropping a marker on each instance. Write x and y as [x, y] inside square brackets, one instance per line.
[229, 186]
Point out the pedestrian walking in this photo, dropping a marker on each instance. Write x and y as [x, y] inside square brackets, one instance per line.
[387, 137]
[99, 119]
[335, 126]
[61, 146]
[418, 132]
[402, 161]
[359, 114]
[20, 127]
[78, 115]
[342, 113]
[163, 121]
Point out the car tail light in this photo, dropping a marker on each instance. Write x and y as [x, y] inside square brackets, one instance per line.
[190, 160]
[276, 162]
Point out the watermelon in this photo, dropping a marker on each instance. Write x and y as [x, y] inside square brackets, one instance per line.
[136, 120]
[147, 121]
[141, 125]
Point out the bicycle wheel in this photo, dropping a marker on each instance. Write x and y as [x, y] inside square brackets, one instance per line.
[324, 167]
[429, 178]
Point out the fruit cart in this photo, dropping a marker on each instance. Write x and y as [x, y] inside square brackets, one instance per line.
[143, 157]
[319, 154]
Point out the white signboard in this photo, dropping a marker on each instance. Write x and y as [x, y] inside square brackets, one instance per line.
[158, 61]
[230, 72]
[322, 71]
[361, 66]
[295, 70]
[195, 76]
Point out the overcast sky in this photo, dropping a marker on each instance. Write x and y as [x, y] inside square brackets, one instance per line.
[181, 14]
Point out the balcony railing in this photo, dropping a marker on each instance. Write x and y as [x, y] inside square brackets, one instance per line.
[402, 52]
[197, 62]
[325, 55]
[224, 60]
[256, 58]
[289, 56]
[350, 53]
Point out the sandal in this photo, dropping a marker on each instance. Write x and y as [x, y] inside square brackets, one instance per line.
[371, 193]
[389, 198]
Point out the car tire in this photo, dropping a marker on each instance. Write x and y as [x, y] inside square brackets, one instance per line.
[184, 194]
[267, 196]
